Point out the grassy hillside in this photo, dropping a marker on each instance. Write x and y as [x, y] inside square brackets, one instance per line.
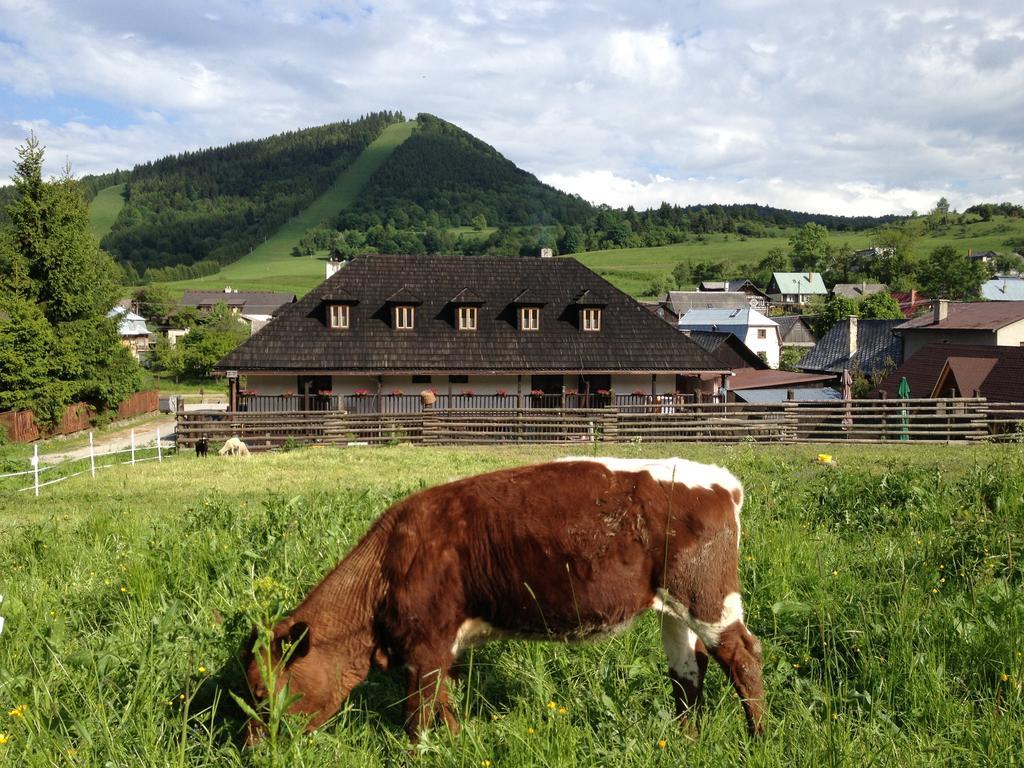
[104, 209]
[632, 269]
[270, 266]
[885, 590]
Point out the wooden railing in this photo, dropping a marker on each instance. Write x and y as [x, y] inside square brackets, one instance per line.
[403, 403]
[918, 420]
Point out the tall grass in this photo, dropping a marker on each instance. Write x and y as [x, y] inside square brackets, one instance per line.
[886, 591]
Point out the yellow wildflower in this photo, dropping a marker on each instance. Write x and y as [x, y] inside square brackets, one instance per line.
[485, 764]
[562, 710]
[4, 738]
[662, 743]
[530, 729]
[18, 711]
[202, 670]
[1004, 677]
[551, 705]
[123, 589]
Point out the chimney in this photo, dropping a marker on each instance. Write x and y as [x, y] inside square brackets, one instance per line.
[546, 253]
[333, 266]
[940, 310]
[852, 336]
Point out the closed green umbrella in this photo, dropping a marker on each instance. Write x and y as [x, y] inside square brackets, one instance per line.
[903, 392]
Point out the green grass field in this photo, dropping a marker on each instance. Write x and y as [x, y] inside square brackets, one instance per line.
[104, 208]
[271, 267]
[886, 591]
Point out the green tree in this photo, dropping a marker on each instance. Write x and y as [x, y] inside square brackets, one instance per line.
[830, 311]
[880, 306]
[219, 333]
[809, 247]
[28, 370]
[155, 303]
[890, 263]
[948, 273]
[658, 286]
[681, 274]
[57, 263]
[168, 358]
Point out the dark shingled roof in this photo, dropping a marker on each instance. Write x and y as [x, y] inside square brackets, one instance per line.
[248, 302]
[728, 348]
[997, 372]
[630, 339]
[876, 343]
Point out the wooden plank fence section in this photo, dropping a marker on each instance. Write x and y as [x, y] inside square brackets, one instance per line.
[917, 420]
[21, 426]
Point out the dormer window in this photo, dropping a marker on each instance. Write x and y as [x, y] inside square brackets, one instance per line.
[404, 317]
[529, 318]
[590, 319]
[467, 318]
[339, 315]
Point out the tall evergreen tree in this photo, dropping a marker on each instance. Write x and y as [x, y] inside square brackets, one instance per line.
[68, 349]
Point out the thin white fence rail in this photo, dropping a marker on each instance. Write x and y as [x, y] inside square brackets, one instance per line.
[137, 454]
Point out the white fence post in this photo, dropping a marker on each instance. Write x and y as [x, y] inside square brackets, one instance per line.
[159, 453]
[92, 457]
[35, 466]
[133, 447]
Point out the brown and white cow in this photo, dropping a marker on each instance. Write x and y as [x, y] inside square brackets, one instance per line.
[561, 551]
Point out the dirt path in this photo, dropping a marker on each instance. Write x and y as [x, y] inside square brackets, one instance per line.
[145, 435]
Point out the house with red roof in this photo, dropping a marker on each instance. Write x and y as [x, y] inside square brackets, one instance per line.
[981, 323]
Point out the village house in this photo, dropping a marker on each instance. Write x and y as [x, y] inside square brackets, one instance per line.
[794, 331]
[757, 298]
[758, 332]
[855, 344]
[961, 370]
[468, 325]
[985, 323]
[857, 291]
[792, 290]
[1003, 288]
[675, 304]
[133, 331]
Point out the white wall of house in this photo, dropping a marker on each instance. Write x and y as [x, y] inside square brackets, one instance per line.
[769, 346]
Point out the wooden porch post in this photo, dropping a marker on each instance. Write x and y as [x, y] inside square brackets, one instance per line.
[519, 391]
[233, 394]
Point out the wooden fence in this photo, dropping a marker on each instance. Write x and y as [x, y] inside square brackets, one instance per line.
[22, 427]
[917, 420]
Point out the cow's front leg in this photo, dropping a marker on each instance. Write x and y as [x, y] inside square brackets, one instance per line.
[427, 696]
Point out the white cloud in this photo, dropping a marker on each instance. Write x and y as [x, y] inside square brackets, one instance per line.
[838, 107]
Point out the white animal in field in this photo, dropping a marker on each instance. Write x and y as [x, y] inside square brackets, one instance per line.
[234, 447]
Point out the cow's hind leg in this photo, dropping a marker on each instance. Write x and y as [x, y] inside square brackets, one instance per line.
[687, 663]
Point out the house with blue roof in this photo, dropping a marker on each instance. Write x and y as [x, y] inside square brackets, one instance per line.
[132, 328]
[794, 289]
[1003, 288]
[759, 333]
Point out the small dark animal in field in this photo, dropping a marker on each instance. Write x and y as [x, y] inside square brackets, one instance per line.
[566, 550]
[202, 447]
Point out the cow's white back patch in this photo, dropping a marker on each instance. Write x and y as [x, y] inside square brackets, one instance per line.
[692, 474]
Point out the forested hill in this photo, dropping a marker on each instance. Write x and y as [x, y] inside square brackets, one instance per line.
[214, 205]
[443, 176]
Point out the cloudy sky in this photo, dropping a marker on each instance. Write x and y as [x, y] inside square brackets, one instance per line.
[839, 107]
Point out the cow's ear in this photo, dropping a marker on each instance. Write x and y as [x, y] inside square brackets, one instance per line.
[297, 640]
